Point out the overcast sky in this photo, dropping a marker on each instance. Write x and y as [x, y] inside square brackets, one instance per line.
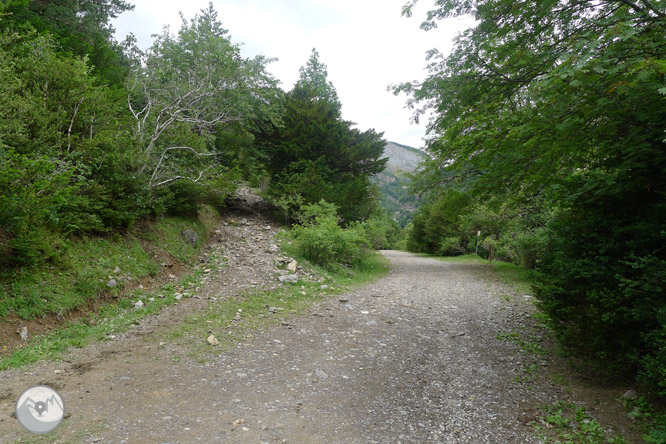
[366, 45]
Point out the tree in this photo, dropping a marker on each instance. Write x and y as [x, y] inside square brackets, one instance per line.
[80, 28]
[317, 154]
[564, 101]
[313, 82]
[185, 87]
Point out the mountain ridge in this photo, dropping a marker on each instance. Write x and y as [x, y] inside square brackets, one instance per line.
[394, 181]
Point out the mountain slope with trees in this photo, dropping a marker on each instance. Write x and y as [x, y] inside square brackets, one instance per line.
[396, 195]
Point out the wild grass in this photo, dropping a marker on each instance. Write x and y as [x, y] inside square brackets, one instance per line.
[242, 316]
[569, 423]
[81, 276]
[83, 271]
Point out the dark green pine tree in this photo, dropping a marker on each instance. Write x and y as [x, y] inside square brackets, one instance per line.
[317, 154]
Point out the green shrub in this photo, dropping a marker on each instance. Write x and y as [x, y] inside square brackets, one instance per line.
[320, 239]
[450, 246]
[381, 232]
[603, 279]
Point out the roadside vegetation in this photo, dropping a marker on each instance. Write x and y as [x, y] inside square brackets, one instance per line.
[240, 318]
[548, 139]
[108, 153]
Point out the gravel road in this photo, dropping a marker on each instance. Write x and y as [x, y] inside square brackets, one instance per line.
[412, 358]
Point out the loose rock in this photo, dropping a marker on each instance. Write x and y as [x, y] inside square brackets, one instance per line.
[630, 395]
[321, 374]
[23, 333]
[190, 236]
[289, 279]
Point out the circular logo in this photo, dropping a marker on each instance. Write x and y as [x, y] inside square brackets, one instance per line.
[40, 409]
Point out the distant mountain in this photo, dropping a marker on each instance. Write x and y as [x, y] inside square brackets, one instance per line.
[394, 181]
[402, 157]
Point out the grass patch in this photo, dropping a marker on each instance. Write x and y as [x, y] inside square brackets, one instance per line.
[464, 259]
[650, 421]
[569, 423]
[109, 320]
[58, 435]
[529, 345]
[241, 317]
[87, 265]
[82, 275]
[167, 235]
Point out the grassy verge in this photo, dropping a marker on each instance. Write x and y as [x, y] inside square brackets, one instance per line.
[569, 423]
[79, 282]
[88, 264]
[241, 317]
[120, 315]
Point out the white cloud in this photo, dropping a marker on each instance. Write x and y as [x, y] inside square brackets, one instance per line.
[366, 45]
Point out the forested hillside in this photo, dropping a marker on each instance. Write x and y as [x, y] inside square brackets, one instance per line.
[548, 137]
[396, 195]
[98, 137]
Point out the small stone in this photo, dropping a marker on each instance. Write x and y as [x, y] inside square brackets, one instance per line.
[112, 283]
[241, 375]
[291, 266]
[116, 270]
[23, 333]
[138, 304]
[237, 317]
[321, 374]
[191, 237]
[212, 340]
[179, 296]
[630, 395]
[289, 279]
[324, 287]
[343, 300]
[273, 309]
[238, 422]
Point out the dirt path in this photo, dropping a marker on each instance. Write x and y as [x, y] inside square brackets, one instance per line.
[413, 358]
